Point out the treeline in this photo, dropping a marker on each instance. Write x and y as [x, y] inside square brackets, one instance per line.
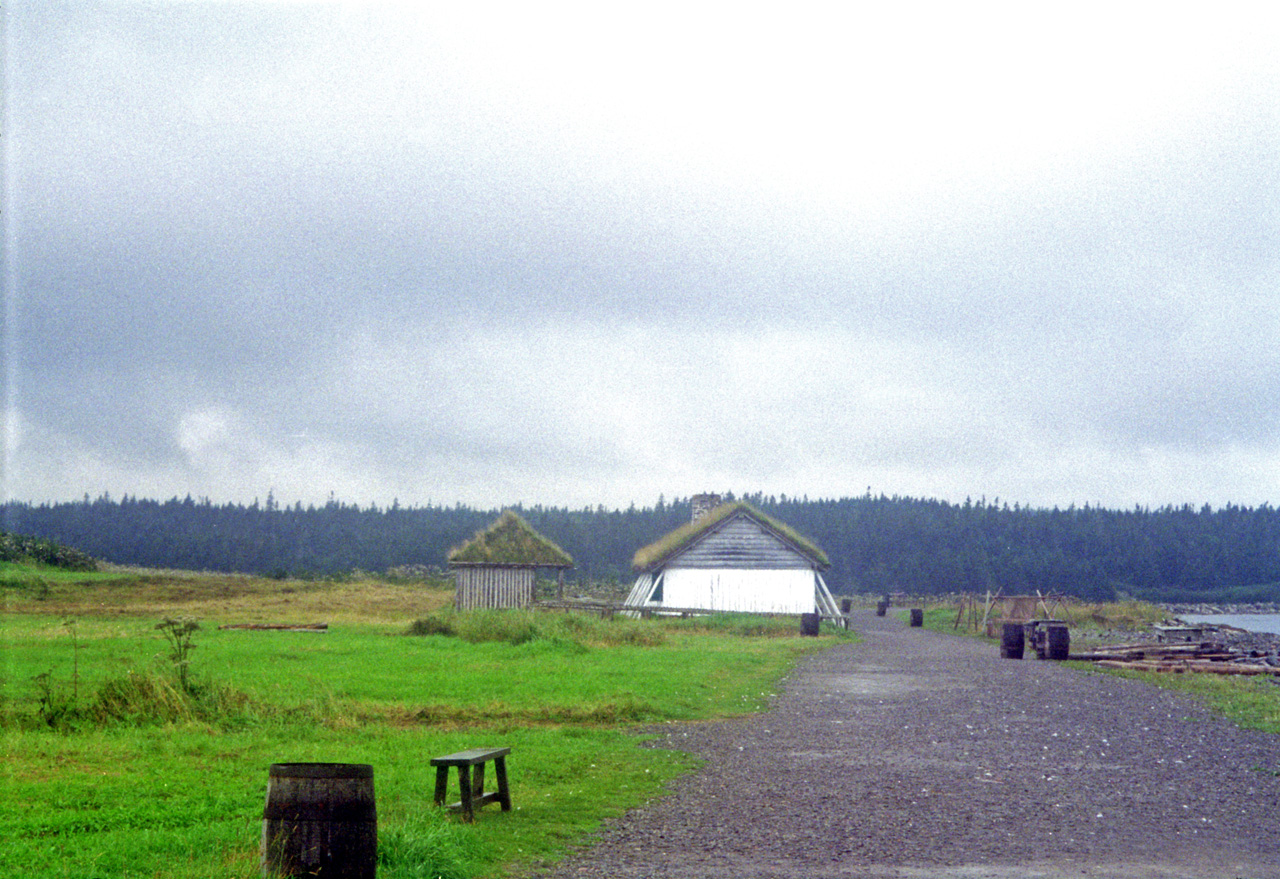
[876, 544]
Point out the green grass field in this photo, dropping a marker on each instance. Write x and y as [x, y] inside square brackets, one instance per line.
[114, 768]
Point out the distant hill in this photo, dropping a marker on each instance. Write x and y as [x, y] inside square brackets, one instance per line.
[875, 543]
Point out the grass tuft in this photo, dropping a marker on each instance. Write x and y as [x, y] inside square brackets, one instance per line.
[500, 626]
[426, 845]
[157, 699]
[741, 625]
[573, 632]
[607, 713]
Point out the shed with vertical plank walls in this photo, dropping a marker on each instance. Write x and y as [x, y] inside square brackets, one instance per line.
[498, 567]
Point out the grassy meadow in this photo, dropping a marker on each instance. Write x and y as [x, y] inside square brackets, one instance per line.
[139, 748]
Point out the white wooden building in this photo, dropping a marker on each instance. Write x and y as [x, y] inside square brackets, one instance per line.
[498, 567]
[732, 558]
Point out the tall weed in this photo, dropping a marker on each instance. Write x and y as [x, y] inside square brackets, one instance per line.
[55, 706]
[179, 634]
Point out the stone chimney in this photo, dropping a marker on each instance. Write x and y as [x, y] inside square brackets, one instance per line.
[703, 504]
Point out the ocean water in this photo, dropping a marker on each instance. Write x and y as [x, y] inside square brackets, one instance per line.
[1253, 622]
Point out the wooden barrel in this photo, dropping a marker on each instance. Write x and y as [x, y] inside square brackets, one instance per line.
[846, 605]
[917, 617]
[320, 820]
[1058, 642]
[1011, 641]
[881, 608]
[809, 623]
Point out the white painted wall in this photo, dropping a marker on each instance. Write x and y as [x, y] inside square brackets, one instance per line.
[778, 591]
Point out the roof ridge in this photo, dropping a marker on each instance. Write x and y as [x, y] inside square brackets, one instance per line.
[686, 535]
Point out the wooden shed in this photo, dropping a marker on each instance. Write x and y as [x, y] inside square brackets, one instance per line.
[498, 567]
[732, 558]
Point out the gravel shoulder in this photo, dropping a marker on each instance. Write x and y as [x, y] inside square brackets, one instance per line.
[917, 754]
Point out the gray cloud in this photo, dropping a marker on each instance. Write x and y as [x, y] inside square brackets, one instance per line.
[574, 260]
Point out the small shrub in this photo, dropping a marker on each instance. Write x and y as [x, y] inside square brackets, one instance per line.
[22, 548]
[414, 573]
[434, 625]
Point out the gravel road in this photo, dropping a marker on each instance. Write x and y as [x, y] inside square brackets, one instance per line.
[917, 754]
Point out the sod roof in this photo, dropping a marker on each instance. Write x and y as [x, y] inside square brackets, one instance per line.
[661, 550]
[510, 541]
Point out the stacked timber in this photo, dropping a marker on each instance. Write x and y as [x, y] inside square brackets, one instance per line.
[278, 627]
[1205, 656]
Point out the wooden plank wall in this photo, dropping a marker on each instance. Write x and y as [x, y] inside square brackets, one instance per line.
[485, 587]
[639, 595]
[741, 543]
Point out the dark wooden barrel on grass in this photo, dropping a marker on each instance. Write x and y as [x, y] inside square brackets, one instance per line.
[809, 623]
[1058, 643]
[917, 617]
[1011, 641]
[846, 605]
[320, 820]
[882, 608]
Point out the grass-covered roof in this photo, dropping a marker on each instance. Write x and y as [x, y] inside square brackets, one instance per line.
[686, 535]
[510, 541]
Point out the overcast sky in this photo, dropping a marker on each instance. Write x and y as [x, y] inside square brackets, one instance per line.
[597, 253]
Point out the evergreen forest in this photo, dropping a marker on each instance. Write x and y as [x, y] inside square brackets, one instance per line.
[876, 543]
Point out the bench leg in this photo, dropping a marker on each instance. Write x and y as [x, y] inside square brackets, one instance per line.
[504, 794]
[464, 782]
[442, 784]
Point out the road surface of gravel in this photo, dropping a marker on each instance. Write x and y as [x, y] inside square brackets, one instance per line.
[918, 754]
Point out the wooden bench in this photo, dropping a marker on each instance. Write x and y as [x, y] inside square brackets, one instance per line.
[471, 782]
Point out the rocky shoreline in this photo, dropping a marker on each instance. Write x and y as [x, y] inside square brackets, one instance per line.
[1203, 609]
[1263, 645]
